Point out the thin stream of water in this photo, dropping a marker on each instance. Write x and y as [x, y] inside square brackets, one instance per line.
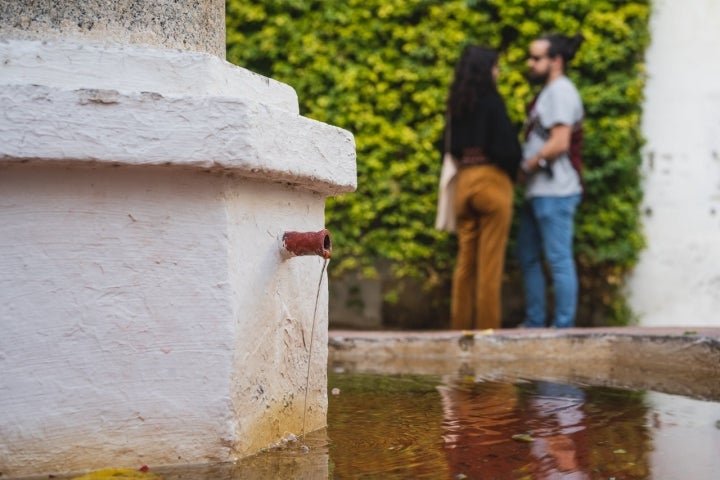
[312, 337]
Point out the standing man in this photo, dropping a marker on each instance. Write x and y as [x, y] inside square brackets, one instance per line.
[553, 184]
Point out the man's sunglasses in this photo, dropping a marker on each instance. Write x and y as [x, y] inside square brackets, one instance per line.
[536, 58]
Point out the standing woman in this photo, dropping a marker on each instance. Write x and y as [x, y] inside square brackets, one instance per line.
[486, 145]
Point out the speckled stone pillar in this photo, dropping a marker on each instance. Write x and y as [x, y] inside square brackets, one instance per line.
[193, 25]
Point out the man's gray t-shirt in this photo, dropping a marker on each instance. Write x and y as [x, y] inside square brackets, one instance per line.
[558, 104]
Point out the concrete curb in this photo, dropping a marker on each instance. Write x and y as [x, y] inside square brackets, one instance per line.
[684, 361]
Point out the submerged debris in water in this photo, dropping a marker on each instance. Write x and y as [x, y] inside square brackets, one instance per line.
[290, 442]
[523, 437]
[335, 391]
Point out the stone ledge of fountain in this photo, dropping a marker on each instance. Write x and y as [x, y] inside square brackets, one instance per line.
[146, 129]
[684, 361]
[131, 68]
[71, 103]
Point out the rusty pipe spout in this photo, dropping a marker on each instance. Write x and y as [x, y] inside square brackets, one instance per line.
[295, 244]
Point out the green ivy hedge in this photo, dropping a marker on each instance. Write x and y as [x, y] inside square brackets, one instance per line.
[382, 69]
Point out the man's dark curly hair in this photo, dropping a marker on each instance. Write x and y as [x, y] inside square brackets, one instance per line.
[563, 45]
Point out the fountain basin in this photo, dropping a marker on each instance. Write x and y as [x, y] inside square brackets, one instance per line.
[149, 314]
[659, 387]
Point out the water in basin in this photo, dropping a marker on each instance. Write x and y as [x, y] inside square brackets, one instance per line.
[460, 426]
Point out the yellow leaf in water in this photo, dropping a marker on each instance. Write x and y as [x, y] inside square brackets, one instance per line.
[118, 474]
[619, 450]
[523, 437]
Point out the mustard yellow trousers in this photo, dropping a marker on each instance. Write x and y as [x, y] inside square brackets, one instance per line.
[483, 206]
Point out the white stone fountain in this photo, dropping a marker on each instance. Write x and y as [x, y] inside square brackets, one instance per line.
[148, 313]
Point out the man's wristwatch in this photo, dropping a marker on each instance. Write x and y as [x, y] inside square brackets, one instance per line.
[542, 163]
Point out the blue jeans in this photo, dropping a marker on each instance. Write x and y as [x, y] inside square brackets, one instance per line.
[546, 228]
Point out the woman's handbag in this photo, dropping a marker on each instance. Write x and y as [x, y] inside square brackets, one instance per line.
[445, 219]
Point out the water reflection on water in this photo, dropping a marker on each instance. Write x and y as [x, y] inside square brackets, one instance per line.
[542, 430]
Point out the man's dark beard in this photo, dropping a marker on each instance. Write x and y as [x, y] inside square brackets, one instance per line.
[537, 79]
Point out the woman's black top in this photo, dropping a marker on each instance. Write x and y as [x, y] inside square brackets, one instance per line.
[488, 127]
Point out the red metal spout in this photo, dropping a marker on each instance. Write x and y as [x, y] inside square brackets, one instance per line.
[295, 244]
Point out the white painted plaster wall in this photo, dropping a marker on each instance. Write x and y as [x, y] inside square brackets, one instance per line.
[148, 317]
[276, 300]
[114, 316]
[677, 281]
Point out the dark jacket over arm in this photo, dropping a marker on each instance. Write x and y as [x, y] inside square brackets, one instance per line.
[488, 127]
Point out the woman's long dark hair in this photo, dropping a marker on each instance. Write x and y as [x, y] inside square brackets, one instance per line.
[473, 77]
